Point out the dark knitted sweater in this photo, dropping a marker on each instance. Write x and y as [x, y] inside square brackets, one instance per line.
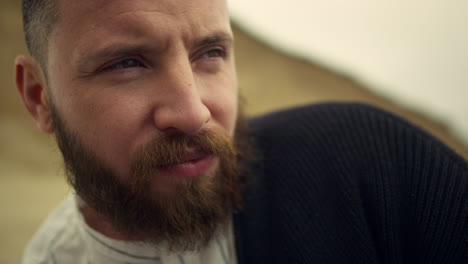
[349, 183]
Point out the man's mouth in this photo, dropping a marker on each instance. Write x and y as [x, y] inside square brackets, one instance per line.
[193, 165]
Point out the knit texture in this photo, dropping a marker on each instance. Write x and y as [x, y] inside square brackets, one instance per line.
[349, 183]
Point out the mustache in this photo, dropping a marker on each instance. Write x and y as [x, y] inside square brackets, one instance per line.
[173, 149]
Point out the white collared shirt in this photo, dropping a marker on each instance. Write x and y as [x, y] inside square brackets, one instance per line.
[66, 238]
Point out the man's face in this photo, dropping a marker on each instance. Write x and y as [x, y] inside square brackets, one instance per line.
[127, 75]
[124, 72]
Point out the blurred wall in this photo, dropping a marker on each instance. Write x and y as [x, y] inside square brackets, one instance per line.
[412, 52]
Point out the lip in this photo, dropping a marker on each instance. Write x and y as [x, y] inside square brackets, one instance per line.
[195, 165]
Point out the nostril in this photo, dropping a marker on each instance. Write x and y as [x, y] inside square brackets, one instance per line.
[208, 118]
[188, 120]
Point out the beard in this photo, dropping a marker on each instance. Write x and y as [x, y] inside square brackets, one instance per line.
[184, 219]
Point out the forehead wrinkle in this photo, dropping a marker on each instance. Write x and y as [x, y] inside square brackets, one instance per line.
[154, 11]
[143, 25]
[172, 10]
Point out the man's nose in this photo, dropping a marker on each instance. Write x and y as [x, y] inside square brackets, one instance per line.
[181, 107]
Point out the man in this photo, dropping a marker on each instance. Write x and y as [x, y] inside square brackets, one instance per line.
[142, 98]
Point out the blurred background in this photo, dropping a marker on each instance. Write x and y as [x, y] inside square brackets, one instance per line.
[407, 57]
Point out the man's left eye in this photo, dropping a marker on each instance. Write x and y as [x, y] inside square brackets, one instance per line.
[124, 64]
[214, 53]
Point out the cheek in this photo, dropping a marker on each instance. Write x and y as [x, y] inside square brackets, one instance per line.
[105, 122]
[221, 98]
[231, 111]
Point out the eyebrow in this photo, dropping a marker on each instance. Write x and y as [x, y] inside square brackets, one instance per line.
[122, 49]
[216, 38]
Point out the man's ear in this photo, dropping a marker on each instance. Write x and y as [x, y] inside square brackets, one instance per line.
[31, 84]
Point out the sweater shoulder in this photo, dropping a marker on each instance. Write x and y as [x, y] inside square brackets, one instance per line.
[349, 183]
[342, 126]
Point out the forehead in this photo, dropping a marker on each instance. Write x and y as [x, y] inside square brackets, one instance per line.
[91, 22]
[104, 8]
[75, 13]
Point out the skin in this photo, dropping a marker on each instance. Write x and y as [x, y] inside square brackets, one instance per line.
[121, 73]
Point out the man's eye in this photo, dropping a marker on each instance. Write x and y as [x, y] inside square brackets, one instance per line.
[124, 64]
[214, 53]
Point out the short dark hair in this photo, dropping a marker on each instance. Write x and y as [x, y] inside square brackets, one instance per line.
[39, 18]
